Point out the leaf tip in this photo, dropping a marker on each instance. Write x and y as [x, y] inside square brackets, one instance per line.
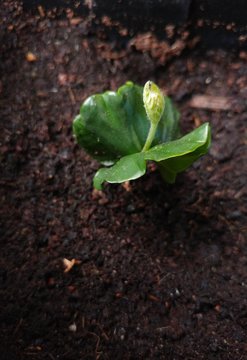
[98, 180]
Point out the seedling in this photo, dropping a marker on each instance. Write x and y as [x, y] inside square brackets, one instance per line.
[125, 129]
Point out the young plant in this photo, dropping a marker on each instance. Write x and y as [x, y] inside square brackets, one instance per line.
[127, 128]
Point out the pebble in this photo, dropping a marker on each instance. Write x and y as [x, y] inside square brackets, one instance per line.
[73, 327]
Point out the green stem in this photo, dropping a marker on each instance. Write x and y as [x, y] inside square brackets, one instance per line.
[150, 137]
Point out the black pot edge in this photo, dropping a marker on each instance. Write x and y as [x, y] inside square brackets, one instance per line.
[218, 23]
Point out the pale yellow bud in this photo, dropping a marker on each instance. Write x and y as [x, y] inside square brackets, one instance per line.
[154, 102]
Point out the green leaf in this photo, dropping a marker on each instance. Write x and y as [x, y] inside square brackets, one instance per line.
[115, 124]
[129, 167]
[172, 158]
[168, 127]
[176, 156]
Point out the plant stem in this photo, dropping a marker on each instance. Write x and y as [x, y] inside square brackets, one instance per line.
[150, 137]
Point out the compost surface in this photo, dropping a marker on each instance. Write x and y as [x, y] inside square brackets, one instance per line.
[159, 271]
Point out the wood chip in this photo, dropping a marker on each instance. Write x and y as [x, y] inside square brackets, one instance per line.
[153, 298]
[30, 57]
[69, 264]
[41, 11]
[160, 50]
[126, 185]
[211, 102]
[243, 55]
[75, 21]
[100, 196]
[89, 4]
[107, 52]
[217, 308]
[71, 96]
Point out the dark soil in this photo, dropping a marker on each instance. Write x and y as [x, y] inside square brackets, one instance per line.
[161, 271]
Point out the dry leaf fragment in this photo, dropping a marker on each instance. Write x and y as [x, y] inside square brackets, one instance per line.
[69, 264]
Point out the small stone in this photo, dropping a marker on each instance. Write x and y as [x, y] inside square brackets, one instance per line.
[31, 57]
[130, 209]
[73, 327]
[122, 333]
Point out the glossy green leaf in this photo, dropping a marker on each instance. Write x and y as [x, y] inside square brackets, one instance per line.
[172, 158]
[129, 167]
[176, 156]
[115, 124]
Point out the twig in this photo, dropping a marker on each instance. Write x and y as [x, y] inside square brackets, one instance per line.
[51, 356]
[211, 102]
[97, 353]
[18, 326]
[71, 95]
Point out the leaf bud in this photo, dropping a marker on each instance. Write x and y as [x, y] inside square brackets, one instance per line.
[154, 102]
